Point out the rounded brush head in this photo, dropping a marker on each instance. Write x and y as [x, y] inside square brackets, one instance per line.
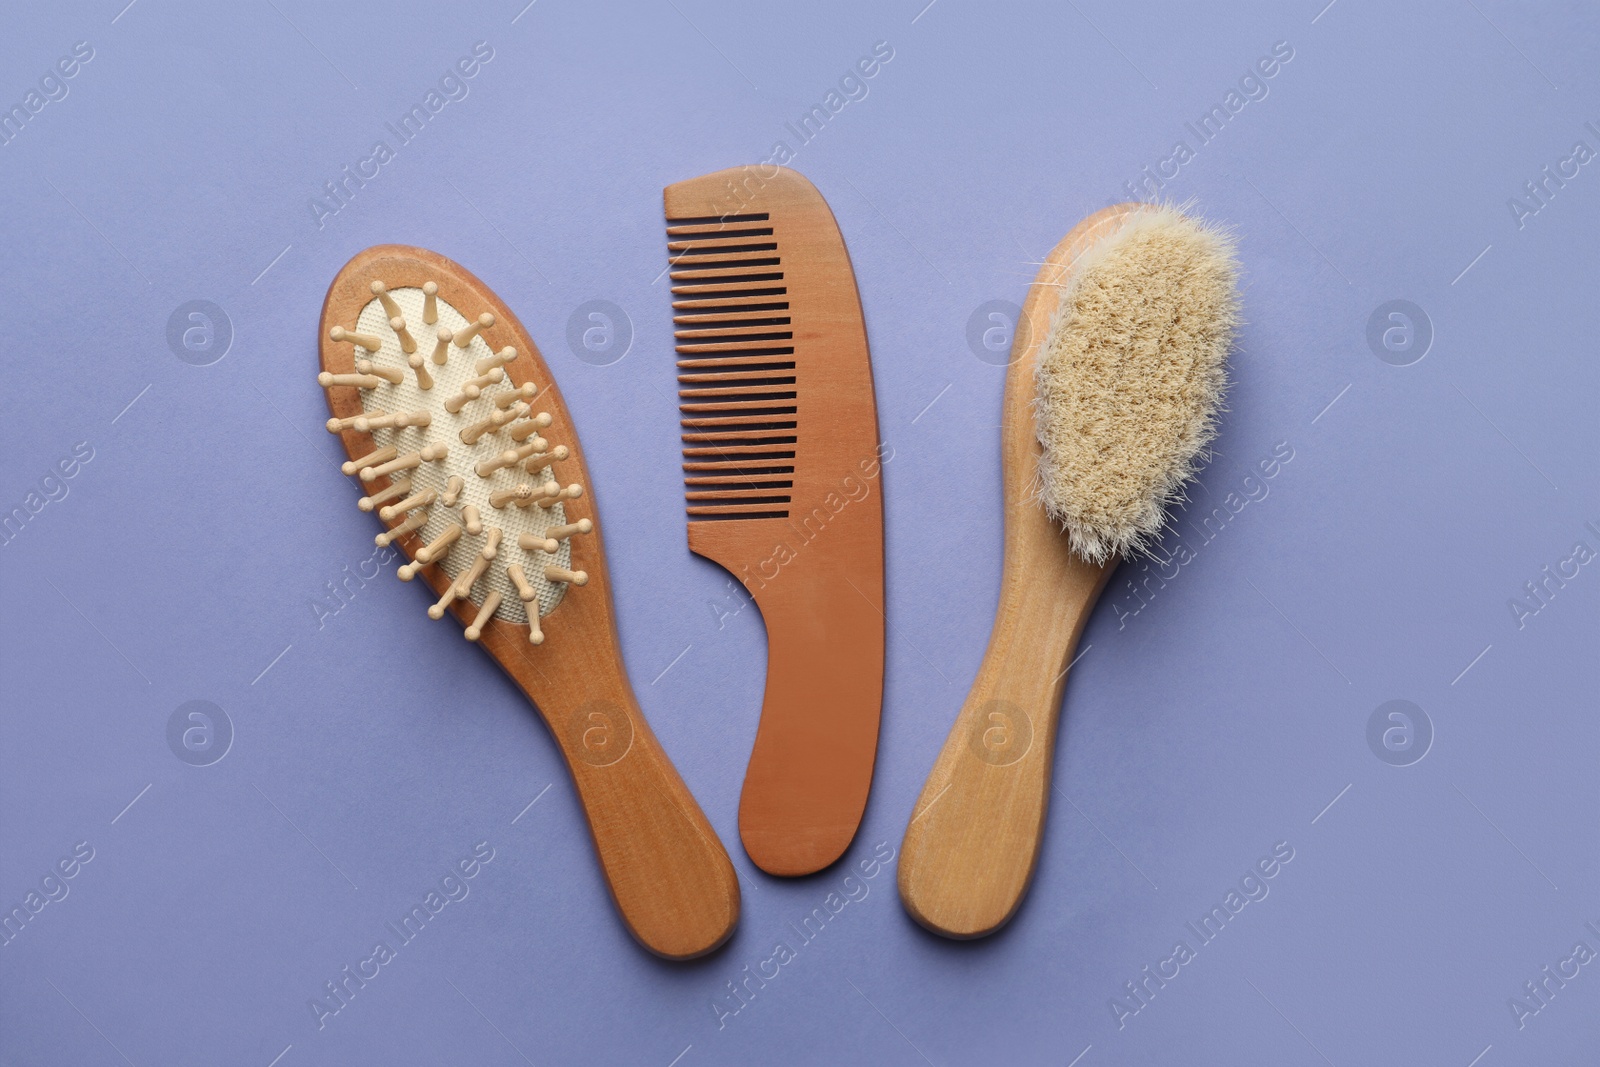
[473, 488]
[1131, 376]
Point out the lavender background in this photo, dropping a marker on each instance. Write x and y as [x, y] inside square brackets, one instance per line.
[371, 750]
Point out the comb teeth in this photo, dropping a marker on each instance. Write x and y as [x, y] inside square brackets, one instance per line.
[739, 388]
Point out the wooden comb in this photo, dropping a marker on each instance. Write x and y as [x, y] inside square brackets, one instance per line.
[452, 437]
[781, 467]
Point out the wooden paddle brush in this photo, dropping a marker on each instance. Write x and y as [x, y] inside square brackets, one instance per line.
[1109, 403]
[464, 448]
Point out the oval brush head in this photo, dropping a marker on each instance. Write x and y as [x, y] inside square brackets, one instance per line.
[463, 427]
[1131, 377]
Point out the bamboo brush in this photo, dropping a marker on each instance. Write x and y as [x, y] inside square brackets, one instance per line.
[1109, 405]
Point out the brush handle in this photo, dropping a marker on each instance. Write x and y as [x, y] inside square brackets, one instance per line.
[669, 875]
[973, 840]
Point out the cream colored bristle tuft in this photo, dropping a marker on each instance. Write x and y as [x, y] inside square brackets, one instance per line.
[465, 335]
[452, 490]
[472, 520]
[1131, 377]
[430, 302]
[491, 542]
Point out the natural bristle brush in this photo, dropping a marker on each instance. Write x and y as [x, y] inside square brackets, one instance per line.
[1109, 402]
[462, 446]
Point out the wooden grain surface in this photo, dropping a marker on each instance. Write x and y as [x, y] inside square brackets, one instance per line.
[973, 840]
[789, 499]
[668, 873]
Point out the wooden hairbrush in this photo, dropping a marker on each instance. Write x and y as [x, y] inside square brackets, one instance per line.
[463, 447]
[781, 468]
[1110, 400]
